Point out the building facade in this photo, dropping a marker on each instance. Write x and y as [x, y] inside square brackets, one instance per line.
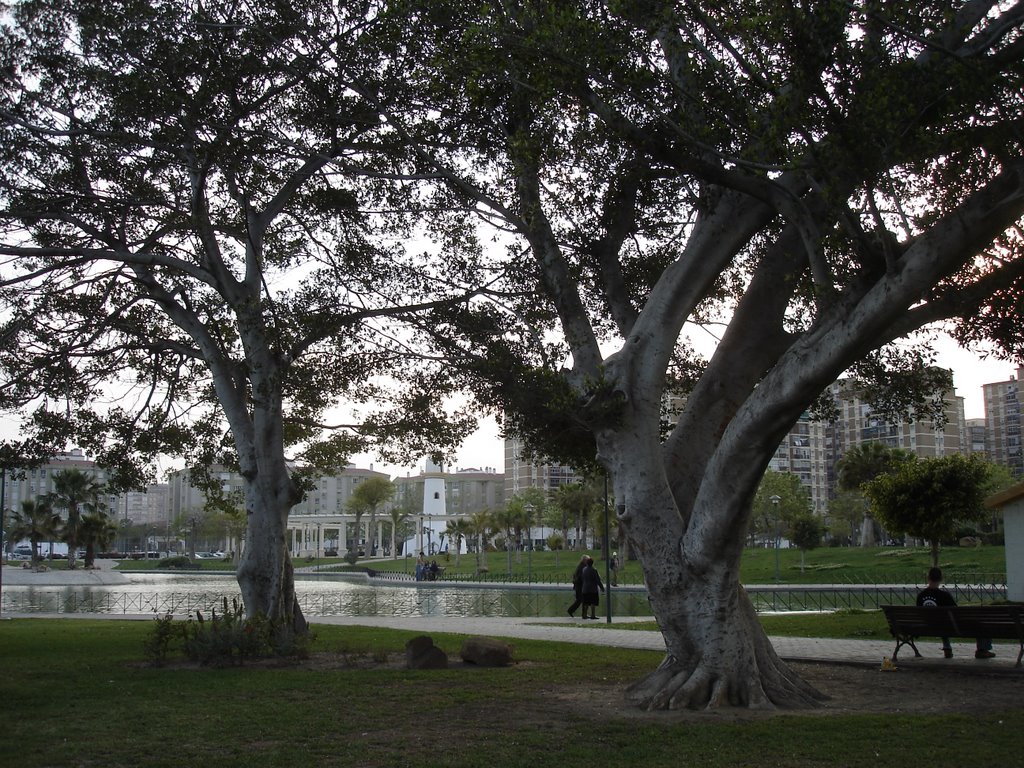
[521, 473]
[1003, 422]
[35, 483]
[804, 452]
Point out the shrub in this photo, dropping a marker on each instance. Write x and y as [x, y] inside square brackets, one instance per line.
[158, 645]
[227, 638]
[178, 561]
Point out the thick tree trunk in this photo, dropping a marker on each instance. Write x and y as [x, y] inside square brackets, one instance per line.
[265, 574]
[717, 653]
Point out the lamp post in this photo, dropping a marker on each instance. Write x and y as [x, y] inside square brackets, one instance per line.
[775, 505]
[529, 508]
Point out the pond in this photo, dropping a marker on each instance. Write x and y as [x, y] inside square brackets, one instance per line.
[319, 595]
[340, 595]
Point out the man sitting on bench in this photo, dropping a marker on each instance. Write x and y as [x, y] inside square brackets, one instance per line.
[933, 595]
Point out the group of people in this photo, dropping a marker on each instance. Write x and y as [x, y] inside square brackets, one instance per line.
[427, 571]
[587, 586]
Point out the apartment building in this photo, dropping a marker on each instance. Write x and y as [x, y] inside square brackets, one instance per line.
[31, 484]
[1003, 422]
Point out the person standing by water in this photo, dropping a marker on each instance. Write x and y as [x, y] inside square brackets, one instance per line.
[592, 588]
[577, 587]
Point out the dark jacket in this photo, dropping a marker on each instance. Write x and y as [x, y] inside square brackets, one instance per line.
[591, 581]
[577, 577]
[934, 596]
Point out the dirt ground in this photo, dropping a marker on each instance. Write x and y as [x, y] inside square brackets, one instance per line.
[854, 689]
[849, 688]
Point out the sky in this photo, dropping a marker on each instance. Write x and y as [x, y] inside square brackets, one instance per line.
[485, 447]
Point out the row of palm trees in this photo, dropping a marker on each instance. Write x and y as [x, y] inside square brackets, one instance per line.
[570, 509]
[84, 524]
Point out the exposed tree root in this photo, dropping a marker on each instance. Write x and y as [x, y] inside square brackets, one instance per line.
[678, 686]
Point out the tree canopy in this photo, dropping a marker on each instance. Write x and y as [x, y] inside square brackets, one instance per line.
[928, 498]
[205, 248]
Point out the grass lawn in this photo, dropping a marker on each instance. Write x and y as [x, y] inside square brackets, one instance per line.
[78, 693]
[843, 565]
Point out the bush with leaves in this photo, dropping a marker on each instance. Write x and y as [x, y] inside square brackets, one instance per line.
[226, 639]
[178, 561]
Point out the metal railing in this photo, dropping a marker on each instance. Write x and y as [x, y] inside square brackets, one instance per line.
[462, 600]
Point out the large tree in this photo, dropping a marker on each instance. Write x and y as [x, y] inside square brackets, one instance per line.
[820, 179]
[198, 256]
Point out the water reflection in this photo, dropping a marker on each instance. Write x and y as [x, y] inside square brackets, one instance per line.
[159, 594]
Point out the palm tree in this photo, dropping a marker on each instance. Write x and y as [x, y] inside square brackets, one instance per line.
[480, 524]
[578, 502]
[36, 522]
[372, 494]
[96, 530]
[398, 517]
[867, 461]
[863, 463]
[456, 531]
[368, 497]
[76, 492]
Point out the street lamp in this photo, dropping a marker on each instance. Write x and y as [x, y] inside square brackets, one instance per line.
[529, 508]
[775, 505]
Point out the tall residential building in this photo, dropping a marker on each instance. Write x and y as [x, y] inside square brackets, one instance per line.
[804, 452]
[520, 473]
[976, 431]
[858, 423]
[35, 483]
[1003, 421]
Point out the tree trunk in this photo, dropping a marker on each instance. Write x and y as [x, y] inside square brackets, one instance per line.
[717, 653]
[265, 574]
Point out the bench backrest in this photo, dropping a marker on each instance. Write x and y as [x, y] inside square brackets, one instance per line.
[995, 621]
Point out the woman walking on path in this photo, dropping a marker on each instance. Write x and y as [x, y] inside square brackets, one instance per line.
[592, 587]
[577, 587]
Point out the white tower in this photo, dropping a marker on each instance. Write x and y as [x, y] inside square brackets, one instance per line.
[433, 520]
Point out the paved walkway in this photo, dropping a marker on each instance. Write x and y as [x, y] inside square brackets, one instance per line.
[867, 652]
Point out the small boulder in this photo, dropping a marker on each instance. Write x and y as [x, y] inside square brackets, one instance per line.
[486, 652]
[421, 653]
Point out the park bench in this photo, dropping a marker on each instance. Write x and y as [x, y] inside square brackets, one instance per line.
[1003, 622]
